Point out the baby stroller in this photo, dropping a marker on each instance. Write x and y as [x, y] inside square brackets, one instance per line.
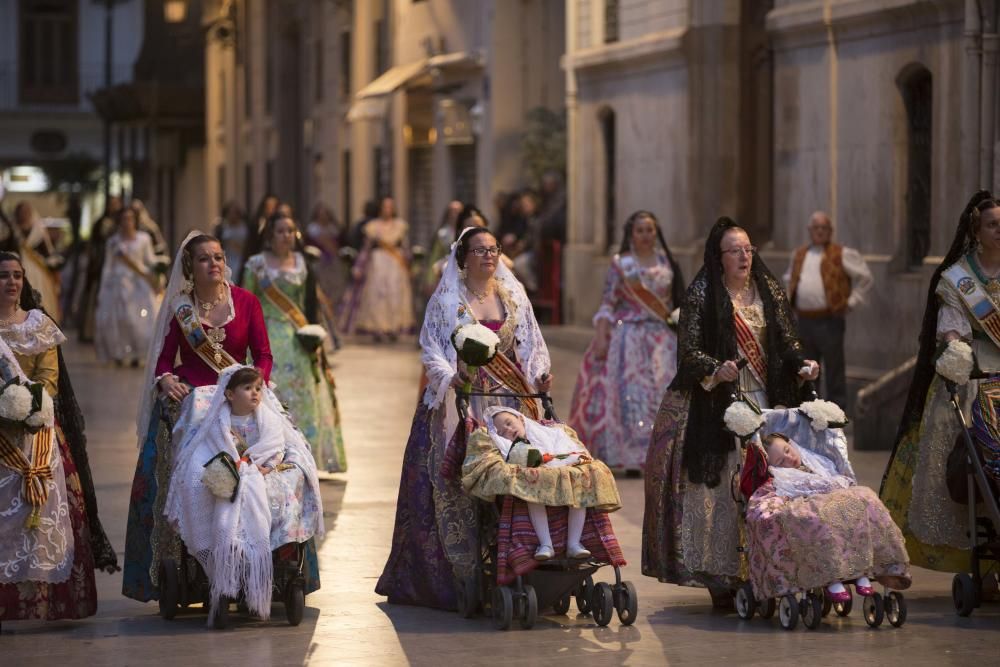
[793, 602]
[183, 582]
[981, 464]
[496, 587]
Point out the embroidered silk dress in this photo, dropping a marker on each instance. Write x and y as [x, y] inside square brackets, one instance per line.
[47, 573]
[434, 538]
[914, 488]
[614, 404]
[300, 381]
[382, 302]
[691, 530]
[148, 538]
[126, 302]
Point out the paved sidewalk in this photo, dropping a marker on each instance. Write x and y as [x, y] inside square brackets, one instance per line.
[347, 624]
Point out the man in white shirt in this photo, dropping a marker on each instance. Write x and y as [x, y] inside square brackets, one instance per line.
[826, 281]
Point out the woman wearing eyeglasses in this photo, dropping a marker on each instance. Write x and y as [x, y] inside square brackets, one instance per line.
[735, 311]
[434, 539]
[633, 355]
[380, 302]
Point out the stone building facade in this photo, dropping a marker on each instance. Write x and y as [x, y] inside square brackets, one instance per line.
[340, 102]
[881, 112]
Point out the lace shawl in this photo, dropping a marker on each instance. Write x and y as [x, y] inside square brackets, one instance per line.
[447, 309]
[37, 334]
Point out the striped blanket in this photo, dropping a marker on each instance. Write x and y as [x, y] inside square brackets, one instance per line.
[516, 540]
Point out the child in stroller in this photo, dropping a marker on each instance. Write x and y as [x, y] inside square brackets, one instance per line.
[811, 529]
[243, 485]
[550, 502]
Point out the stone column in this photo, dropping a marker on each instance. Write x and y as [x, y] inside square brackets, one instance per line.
[988, 94]
[970, 98]
[364, 131]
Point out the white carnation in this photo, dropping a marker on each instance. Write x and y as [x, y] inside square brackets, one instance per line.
[956, 362]
[45, 416]
[15, 403]
[742, 420]
[312, 331]
[478, 333]
[518, 455]
[823, 414]
[675, 317]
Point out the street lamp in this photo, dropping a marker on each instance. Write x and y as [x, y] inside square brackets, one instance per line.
[175, 11]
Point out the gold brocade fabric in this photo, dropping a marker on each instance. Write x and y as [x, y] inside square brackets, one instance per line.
[486, 475]
[165, 541]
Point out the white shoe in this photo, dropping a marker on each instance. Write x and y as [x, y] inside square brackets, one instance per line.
[544, 552]
[577, 551]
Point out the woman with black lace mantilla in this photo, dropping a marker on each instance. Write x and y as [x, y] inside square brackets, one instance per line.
[735, 311]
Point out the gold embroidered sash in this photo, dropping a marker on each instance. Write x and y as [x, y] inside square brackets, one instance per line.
[289, 309]
[35, 473]
[751, 349]
[210, 352]
[506, 372]
[630, 272]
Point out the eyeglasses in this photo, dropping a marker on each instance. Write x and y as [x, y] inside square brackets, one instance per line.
[483, 251]
[745, 250]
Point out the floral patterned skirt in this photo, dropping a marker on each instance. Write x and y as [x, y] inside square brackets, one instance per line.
[615, 400]
[77, 596]
[813, 541]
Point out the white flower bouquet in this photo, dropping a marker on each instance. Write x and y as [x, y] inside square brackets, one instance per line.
[955, 362]
[311, 336]
[221, 477]
[823, 414]
[476, 346]
[26, 404]
[743, 419]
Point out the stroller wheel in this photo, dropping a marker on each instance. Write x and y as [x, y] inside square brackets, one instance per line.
[874, 610]
[169, 588]
[295, 604]
[221, 619]
[602, 603]
[503, 608]
[529, 608]
[627, 603]
[895, 609]
[467, 596]
[844, 608]
[561, 606]
[746, 605]
[788, 612]
[812, 610]
[827, 603]
[766, 608]
[963, 593]
[583, 595]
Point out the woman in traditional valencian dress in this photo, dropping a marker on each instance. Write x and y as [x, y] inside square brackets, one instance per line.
[285, 283]
[633, 355]
[734, 310]
[128, 300]
[434, 537]
[914, 487]
[41, 260]
[212, 324]
[381, 300]
[51, 539]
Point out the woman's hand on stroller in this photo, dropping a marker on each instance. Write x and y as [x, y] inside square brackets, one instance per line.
[459, 380]
[544, 382]
[727, 372]
[173, 388]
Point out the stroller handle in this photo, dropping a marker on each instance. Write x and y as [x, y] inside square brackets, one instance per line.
[462, 401]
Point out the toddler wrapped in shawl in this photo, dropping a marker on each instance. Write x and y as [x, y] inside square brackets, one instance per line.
[277, 498]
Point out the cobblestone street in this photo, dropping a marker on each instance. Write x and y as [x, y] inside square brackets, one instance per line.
[347, 624]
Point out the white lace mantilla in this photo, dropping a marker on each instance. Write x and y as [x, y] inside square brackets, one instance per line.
[37, 334]
[295, 275]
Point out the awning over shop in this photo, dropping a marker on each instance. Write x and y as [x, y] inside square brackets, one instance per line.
[372, 100]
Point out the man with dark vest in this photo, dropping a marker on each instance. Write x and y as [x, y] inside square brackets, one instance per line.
[826, 281]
